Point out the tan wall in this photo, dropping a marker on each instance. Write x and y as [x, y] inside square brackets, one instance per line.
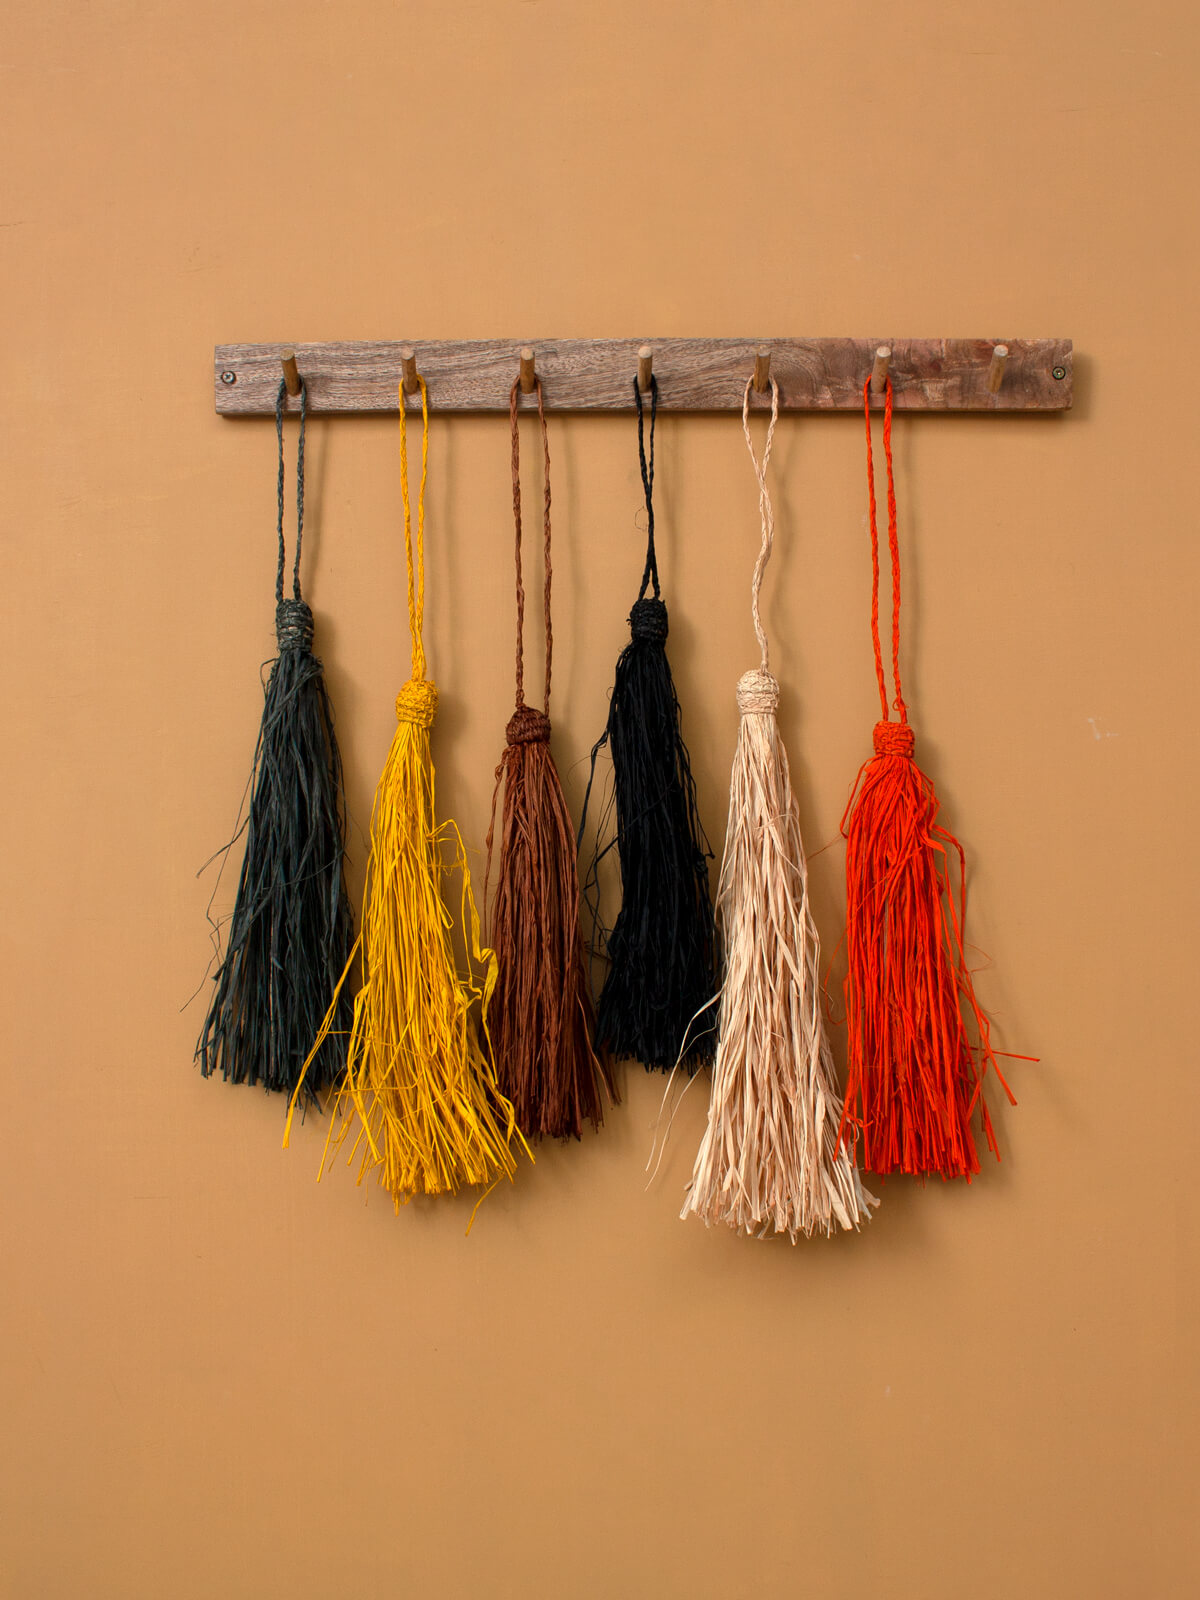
[222, 1379]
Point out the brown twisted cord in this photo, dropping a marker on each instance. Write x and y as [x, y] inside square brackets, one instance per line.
[516, 486]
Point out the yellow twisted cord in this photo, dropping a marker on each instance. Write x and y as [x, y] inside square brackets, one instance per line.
[416, 582]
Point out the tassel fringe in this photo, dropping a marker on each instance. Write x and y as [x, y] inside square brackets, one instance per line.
[291, 929]
[770, 1159]
[420, 1085]
[541, 1013]
[915, 1077]
[662, 948]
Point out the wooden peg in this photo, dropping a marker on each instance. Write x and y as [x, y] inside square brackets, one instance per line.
[408, 366]
[762, 369]
[996, 370]
[528, 371]
[291, 373]
[645, 367]
[879, 369]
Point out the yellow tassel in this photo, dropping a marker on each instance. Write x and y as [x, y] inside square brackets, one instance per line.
[420, 1085]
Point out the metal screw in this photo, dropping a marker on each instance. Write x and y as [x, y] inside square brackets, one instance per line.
[1059, 372]
[229, 377]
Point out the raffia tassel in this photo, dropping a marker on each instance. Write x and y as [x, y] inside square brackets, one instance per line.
[654, 1005]
[420, 1093]
[292, 928]
[542, 1014]
[770, 1160]
[914, 1076]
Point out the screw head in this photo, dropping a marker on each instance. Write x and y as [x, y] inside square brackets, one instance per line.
[229, 377]
[1059, 373]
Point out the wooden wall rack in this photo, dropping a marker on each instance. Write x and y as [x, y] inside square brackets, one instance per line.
[1020, 375]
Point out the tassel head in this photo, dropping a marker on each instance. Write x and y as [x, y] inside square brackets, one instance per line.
[757, 693]
[417, 703]
[893, 739]
[293, 625]
[648, 621]
[527, 726]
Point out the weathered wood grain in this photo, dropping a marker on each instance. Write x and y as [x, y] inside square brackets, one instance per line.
[693, 374]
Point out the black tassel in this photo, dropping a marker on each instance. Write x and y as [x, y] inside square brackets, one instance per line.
[291, 932]
[657, 998]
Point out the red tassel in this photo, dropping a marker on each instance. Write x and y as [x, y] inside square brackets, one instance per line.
[918, 1040]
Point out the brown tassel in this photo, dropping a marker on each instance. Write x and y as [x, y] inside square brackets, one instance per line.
[541, 1013]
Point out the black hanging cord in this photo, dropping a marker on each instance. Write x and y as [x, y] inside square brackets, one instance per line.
[280, 403]
[650, 575]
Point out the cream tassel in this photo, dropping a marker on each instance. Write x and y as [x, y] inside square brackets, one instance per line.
[770, 1159]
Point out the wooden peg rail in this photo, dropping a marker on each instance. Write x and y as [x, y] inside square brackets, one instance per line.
[692, 374]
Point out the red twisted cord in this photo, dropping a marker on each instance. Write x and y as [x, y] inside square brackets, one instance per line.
[893, 548]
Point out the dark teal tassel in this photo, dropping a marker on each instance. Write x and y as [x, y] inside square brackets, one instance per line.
[291, 931]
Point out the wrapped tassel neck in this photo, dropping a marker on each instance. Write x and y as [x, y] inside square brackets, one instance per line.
[293, 625]
[757, 693]
[648, 621]
[527, 726]
[417, 702]
[893, 739]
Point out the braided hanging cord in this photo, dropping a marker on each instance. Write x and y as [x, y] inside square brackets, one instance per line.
[894, 553]
[280, 405]
[766, 513]
[548, 567]
[650, 573]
